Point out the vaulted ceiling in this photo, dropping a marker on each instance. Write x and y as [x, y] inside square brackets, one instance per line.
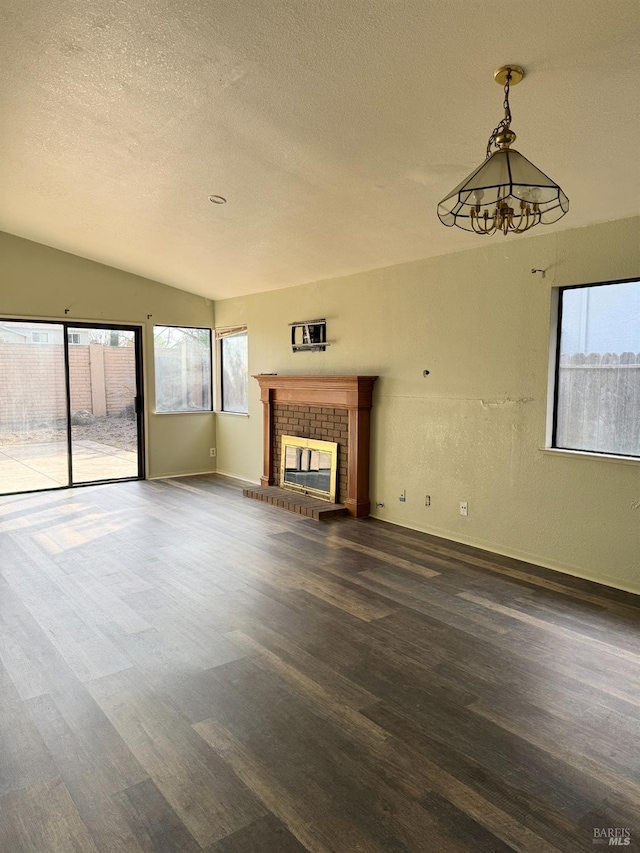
[332, 127]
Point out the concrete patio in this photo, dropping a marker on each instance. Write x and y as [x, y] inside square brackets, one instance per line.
[29, 467]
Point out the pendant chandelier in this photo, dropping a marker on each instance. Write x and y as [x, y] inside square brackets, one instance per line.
[507, 192]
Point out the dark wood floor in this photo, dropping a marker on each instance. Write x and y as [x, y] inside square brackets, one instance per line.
[182, 669]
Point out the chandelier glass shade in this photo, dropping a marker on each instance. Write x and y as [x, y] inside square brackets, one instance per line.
[507, 192]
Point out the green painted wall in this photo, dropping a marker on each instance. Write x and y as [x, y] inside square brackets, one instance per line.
[474, 428]
[36, 281]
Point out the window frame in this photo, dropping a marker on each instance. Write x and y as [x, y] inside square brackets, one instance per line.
[208, 411]
[221, 333]
[554, 374]
[35, 334]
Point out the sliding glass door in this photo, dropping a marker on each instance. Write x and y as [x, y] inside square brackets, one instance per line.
[34, 442]
[70, 405]
[103, 384]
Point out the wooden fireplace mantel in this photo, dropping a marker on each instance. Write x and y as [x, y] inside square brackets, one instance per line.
[354, 393]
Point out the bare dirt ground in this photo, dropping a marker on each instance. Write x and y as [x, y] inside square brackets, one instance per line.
[117, 432]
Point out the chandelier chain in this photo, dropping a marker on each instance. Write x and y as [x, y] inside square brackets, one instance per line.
[506, 121]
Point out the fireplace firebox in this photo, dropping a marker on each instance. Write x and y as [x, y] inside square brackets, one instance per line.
[309, 466]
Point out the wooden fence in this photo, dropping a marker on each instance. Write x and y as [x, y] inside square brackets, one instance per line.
[32, 385]
[599, 402]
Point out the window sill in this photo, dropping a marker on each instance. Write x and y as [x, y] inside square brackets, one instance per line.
[189, 412]
[584, 454]
[234, 414]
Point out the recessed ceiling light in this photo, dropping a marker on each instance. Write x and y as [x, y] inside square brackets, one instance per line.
[217, 199]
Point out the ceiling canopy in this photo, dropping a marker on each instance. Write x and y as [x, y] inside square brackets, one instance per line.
[331, 128]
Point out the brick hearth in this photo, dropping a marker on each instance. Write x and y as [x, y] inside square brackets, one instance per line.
[294, 502]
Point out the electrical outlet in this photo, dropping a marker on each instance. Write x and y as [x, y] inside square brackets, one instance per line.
[212, 451]
[427, 500]
[403, 496]
[464, 508]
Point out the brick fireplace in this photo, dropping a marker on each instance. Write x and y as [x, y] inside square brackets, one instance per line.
[326, 408]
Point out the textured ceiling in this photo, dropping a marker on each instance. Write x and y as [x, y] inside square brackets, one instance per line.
[333, 127]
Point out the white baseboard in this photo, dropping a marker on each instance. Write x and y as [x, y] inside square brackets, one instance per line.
[238, 478]
[525, 556]
[180, 474]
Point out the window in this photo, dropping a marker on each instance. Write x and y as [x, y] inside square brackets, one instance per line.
[182, 359]
[597, 376]
[233, 359]
[39, 337]
[74, 337]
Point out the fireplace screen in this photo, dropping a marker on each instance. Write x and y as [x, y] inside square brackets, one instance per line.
[309, 466]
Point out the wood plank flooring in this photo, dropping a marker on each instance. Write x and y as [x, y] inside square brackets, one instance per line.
[182, 669]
